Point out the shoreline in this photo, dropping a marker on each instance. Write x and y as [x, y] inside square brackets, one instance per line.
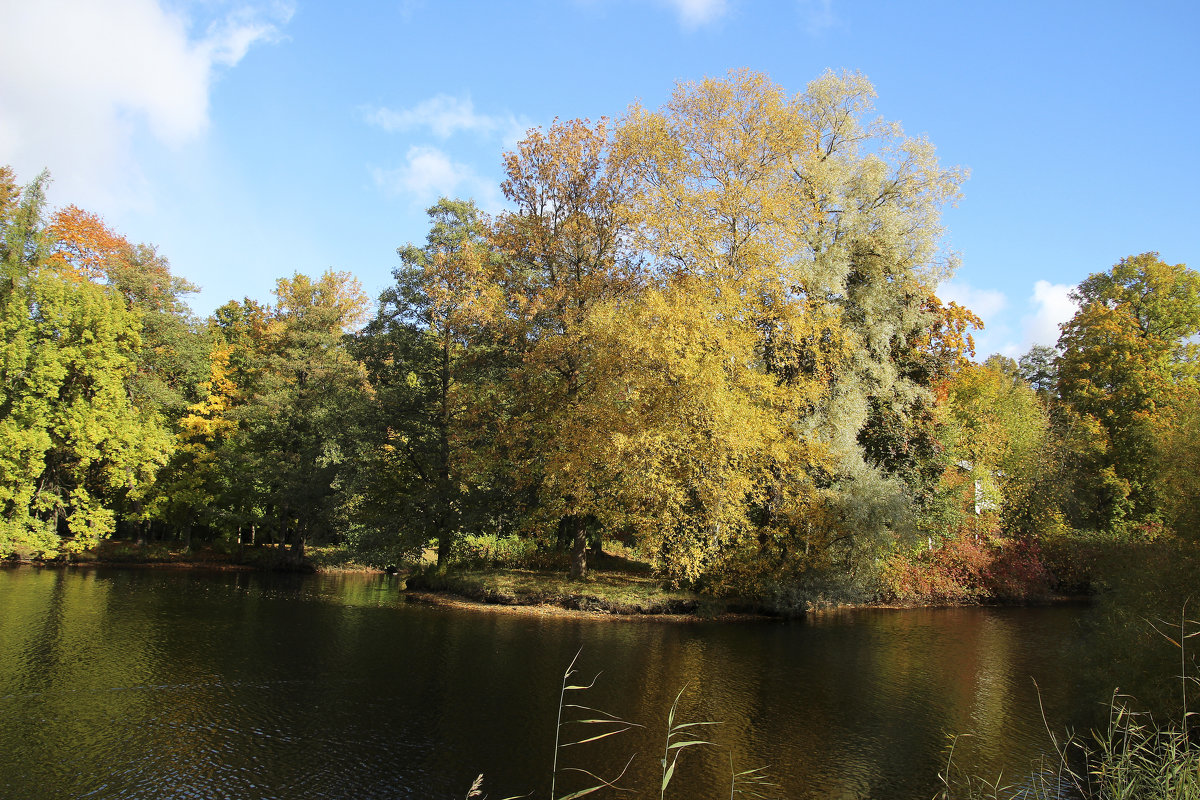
[577, 605]
[450, 599]
[457, 601]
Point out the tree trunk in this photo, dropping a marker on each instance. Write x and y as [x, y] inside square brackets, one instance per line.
[445, 514]
[579, 549]
[297, 555]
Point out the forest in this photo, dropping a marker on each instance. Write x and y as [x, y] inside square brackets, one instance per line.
[709, 332]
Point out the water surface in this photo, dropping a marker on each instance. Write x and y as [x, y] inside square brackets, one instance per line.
[165, 684]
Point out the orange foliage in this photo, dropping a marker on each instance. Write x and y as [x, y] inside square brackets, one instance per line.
[976, 566]
[948, 338]
[84, 246]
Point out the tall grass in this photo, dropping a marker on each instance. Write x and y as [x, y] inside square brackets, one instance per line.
[1134, 758]
[579, 725]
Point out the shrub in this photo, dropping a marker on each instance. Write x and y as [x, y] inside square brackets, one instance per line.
[972, 568]
[511, 552]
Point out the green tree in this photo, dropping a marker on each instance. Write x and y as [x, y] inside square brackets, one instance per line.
[425, 353]
[309, 387]
[1122, 354]
[72, 439]
[1039, 370]
[266, 453]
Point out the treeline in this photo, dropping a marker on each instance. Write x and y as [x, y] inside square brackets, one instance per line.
[709, 330]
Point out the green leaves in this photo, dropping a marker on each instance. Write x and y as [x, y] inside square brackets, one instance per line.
[74, 440]
[609, 725]
[749, 782]
[1127, 356]
[675, 744]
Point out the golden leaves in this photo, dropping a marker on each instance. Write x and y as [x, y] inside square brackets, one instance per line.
[714, 173]
[83, 246]
[336, 298]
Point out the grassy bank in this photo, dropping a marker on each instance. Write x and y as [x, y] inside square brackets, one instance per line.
[514, 572]
[209, 556]
[601, 592]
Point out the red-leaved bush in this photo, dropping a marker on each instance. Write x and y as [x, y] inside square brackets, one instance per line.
[978, 566]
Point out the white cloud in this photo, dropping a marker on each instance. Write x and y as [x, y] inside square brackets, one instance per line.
[228, 40]
[1048, 306]
[428, 174]
[444, 115]
[694, 13]
[691, 13]
[80, 80]
[1052, 307]
[984, 302]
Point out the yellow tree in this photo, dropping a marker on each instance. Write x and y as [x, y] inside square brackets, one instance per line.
[214, 480]
[1177, 461]
[567, 250]
[1130, 343]
[1000, 432]
[738, 323]
[803, 220]
[189, 490]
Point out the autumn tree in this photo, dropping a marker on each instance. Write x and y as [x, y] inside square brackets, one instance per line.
[902, 435]
[1128, 346]
[1000, 435]
[817, 226]
[83, 246]
[732, 322]
[566, 249]
[1177, 461]
[171, 359]
[211, 482]
[197, 486]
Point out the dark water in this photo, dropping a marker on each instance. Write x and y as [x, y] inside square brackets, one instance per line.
[149, 684]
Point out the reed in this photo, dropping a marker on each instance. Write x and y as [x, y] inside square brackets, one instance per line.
[580, 724]
[1134, 758]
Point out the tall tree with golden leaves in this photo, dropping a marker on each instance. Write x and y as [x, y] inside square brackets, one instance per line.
[567, 249]
[805, 220]
[1131, 343]
[737, 323]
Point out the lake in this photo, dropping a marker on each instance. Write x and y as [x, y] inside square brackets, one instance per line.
[150, 683]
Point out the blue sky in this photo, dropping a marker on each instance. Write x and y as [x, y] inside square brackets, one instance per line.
[252, 140]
